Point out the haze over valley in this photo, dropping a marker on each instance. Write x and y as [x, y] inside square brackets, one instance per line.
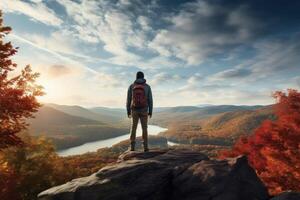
[70, 126]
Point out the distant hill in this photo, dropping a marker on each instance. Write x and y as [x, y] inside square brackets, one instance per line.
[67, 130]
[181, 109]
[115, 115]
[187, 113]
[50, 116]
[204, 105]
[220, 129]
[106, 115]
[70, 126]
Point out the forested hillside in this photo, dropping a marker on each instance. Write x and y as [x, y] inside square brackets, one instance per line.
[107, 115]
[167, 115]
[220, 129]
[67, 130]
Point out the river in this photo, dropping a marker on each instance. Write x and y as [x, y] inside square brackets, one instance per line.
[93, 146]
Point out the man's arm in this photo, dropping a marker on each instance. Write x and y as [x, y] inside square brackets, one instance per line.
[150, 101]
[128, 102]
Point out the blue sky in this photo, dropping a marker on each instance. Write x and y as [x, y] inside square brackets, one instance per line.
[192, 52]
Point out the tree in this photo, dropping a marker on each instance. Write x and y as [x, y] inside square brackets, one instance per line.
[274, 148]
[17, 93]
[28, 169]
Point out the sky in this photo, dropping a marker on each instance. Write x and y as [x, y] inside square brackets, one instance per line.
[191, 52]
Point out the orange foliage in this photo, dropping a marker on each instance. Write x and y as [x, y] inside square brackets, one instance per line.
[88, 163]
[17, 94]
[274, 148]
[8, 180]
[28, 169]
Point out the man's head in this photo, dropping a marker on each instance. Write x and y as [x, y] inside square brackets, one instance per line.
[139, 75]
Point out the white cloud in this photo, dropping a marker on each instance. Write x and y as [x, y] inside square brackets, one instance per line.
[202, 29]
[165, 78]
[234, 73]
[105, 80]
[199, 89]
[126, 34]
[36, 10]
[57, 42]
[144, 22]
[196, 78]
[109, 24]
[222, 94]
[57, 45]
[274, 57]
[58, 70]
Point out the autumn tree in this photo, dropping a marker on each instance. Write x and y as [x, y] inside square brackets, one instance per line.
[17, 93]
[274, 148]
[28, 169]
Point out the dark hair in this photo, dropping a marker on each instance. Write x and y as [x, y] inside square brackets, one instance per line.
[139, 75]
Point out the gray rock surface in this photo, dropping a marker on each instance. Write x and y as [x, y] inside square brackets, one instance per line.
[165, 174]
[219, 180]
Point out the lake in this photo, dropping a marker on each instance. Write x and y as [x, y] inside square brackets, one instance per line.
[93, 146]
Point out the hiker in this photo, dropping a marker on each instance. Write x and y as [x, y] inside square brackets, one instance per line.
[139, 106]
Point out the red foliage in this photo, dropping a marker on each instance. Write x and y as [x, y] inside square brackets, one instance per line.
[274, 148]
[17, 94]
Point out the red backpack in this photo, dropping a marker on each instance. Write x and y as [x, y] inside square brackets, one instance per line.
[139, 99]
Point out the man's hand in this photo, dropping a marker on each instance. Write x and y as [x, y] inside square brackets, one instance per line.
[150, 115]
[129, 115]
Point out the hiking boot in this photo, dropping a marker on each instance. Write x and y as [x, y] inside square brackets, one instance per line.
[145, 147]
[132, 146]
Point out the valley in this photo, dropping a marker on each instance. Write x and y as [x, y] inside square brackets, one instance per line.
[66, 130]
[71, 126]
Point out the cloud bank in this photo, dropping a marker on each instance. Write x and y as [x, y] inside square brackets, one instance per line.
[219, 51]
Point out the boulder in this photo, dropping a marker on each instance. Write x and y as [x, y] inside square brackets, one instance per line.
[165, 174]
[231, 179]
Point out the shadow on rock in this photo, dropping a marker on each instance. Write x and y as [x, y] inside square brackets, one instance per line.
[163, 175]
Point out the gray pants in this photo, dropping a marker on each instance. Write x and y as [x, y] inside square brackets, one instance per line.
[136, 116]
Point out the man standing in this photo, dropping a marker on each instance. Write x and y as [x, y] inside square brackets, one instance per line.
[139, 105]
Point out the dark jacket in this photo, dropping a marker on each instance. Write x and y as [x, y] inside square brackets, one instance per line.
[148, 94]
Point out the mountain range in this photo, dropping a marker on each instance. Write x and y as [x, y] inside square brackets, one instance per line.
[167, 115]
[70, 126]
